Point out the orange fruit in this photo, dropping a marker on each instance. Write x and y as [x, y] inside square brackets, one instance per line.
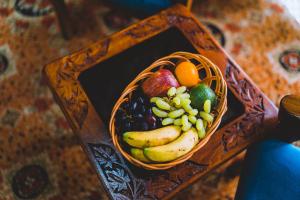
[187, 74]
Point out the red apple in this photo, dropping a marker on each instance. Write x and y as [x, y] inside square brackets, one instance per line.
[159, 83]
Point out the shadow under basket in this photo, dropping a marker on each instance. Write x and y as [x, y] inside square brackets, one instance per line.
[209, 74]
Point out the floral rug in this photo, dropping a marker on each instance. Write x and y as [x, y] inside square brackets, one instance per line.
[40, 158]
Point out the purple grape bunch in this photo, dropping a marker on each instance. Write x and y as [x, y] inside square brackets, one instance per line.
[136, 115]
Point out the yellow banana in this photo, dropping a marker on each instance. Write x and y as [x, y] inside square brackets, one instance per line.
[139, 155]
[152, 138]
[173, 150]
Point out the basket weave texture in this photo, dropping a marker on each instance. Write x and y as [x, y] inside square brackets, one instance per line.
[213, 77]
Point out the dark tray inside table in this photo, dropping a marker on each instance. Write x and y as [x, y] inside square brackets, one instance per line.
[87, 83]
[105, 82]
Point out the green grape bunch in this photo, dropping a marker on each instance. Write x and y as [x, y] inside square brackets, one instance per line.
[176, 109]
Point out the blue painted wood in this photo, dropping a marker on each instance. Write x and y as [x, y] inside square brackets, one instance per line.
[143, 6]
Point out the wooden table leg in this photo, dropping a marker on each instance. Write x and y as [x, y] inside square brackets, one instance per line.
[289, 117]
[63, 18]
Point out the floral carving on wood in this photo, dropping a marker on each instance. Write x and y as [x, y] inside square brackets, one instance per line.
[124, 185]
[68, 87]
[144, 28]
[162, 183]
[72, 95]
[254, 109]
[195, 33]
[116, 175]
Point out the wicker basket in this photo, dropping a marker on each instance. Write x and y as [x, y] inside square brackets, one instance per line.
[213, 76]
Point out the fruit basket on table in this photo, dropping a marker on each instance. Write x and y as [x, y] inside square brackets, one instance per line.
[169, 111]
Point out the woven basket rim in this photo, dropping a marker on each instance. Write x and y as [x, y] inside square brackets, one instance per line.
[220, 109]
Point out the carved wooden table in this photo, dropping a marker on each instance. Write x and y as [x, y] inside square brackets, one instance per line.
[87, 83]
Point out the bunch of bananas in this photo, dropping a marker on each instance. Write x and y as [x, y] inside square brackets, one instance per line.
[161, 145]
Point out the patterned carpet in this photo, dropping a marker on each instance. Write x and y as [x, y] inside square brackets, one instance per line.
[40, 158]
